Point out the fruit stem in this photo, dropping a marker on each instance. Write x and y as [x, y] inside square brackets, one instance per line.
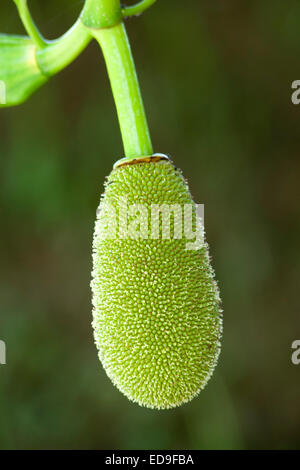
[126, 90]
[103, 18]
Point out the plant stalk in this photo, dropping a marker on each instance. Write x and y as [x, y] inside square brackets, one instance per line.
[103, 18]
[126, 90]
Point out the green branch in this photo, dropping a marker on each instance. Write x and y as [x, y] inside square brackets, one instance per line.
[62, 51]
[24, 67]
[29, 24]
[27, 63]
[137, 9]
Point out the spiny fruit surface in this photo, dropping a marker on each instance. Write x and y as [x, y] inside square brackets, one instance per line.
[156, 307]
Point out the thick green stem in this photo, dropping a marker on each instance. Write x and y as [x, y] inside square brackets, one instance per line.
[121, 69]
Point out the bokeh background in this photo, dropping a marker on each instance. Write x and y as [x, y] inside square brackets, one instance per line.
[216, 78]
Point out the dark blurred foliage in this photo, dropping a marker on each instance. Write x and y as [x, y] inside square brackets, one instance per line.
[216, 78]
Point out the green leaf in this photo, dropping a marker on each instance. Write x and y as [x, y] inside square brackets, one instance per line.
[20, 75]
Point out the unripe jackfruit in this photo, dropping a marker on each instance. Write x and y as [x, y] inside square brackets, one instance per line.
[156, 307]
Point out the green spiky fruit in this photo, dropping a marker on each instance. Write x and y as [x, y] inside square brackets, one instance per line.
[156, 318]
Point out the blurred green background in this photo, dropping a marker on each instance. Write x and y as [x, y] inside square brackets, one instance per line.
[216, 78]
